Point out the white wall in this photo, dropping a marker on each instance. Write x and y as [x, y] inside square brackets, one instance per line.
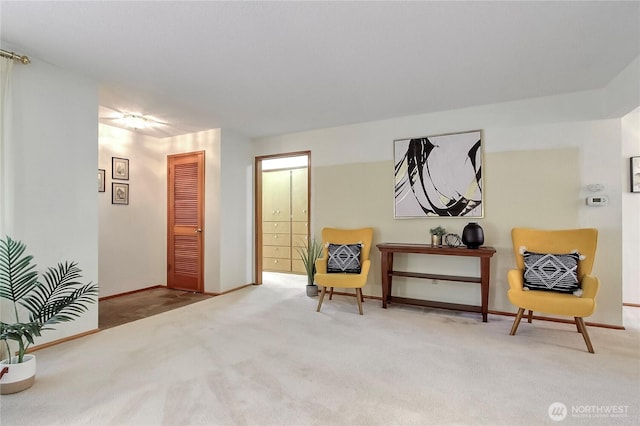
[54, 154]
[132, 237]
[622, 99]
[236, 206]
[630, 210]
[371, 141]
[543, 124]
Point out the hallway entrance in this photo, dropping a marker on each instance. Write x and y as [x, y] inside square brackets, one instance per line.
[282, 207]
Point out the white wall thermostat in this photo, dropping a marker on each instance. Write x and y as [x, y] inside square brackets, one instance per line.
[595, 187]
[597, 200]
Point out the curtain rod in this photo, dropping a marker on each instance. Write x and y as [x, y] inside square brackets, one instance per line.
[16, 57]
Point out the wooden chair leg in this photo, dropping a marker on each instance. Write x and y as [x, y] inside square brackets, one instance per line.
[324, 290]
[530, 316]
[514, 328]
[331, 294]
[361, 296]
[583, 330]
[359, 299]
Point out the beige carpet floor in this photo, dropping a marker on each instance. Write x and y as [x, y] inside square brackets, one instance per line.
[263, 356]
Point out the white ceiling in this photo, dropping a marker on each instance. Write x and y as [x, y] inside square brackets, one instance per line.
[265, 68]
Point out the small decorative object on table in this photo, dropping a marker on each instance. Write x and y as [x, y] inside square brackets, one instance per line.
[452, 240]
[436, 235]
[473, 235]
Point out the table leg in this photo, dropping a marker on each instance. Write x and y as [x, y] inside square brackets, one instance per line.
[485, 273]
[386, 262]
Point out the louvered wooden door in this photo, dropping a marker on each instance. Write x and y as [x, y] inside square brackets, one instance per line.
[185, 221]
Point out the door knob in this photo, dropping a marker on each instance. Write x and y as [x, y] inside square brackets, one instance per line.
[198, 230]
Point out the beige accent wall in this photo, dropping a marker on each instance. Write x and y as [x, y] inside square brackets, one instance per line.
[361, 194]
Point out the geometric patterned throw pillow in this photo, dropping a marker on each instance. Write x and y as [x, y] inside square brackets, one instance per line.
[552, 272]
[344, 258]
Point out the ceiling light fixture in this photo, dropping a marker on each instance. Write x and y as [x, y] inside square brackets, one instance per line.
[135, 121]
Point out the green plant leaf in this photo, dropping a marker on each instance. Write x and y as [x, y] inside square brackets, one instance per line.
[438, 230]
[309, 253]
[59, 299]
[17, 274]
[17, 331]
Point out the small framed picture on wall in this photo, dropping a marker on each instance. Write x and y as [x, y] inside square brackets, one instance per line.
[100, 180]
[634, 168]
[120, 168]
[119, 193]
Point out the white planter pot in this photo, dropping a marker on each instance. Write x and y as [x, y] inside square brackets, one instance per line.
[17, 377]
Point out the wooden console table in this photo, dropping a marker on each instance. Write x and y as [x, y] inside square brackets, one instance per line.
[483, 253]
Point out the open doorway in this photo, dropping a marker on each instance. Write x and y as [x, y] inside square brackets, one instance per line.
[282, 203]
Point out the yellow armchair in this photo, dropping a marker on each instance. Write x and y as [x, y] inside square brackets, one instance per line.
[555, 242]
[341, 279]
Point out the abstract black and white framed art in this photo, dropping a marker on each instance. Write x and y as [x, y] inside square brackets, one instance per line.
[439, 176]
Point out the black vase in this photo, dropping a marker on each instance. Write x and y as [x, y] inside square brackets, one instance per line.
[472, 235]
